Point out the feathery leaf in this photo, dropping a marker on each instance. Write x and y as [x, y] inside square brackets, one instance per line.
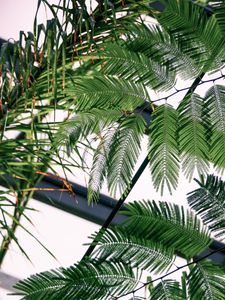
[192, 140]
[206, 281]
[163, 148]
[208, 201]
[169, 224]
[118, 245]
[85, 281]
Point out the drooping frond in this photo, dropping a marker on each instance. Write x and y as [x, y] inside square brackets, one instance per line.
[108, 92]
[219, 12]
[193, 144]
[169, 224]
[83, 125]
[156, 43]
[118, 245]
[99, 164]
[167, 289]
[215, 102]
[209, 202]
[124, 153]
[206, 281]
[120, 61]
[198, 34]
[163, 148]
[88, 280]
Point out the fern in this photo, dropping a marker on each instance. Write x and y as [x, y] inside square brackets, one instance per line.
[168, 224]
[167, 289]
[83, 125]
[154, 42]
[206, 281]
[208, 202]
[163, 148]
[199, 36]
[124, 153]
[122, 62]
[99, 165]
[108, 92]
[87, 280]
[118, 245]
[215, 101]
[192, 140]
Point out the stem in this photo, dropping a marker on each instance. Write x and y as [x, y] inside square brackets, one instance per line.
[18, 212]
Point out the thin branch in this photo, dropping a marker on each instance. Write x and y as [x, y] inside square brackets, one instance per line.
[192, 87]
[172, 272]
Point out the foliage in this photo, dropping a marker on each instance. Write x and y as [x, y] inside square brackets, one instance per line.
[153, 236]
[100, 68]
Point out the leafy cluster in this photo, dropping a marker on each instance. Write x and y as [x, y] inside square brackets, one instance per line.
[93, 76]
[153, 235]
[151, 57]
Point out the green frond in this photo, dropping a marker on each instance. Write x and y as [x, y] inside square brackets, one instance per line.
[124, 152]
[198, 34]
[219, 12]
[118, 245]
[155, 43]
[87, 280]
[167, 289]
[99, 164]
[206, 281]
[108, 92]
[215, 103]
[193, 143]
[169, 224]
[136, 67]
[208, 202]
[83, 125]
[163, 148]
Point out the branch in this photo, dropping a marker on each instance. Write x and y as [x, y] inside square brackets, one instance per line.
[172, 272]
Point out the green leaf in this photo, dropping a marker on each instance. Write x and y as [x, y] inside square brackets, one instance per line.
[87, 280]
[206, 281]
[215, 102]
[99, 164]
[118, 245]
[208, 202]
[169, 224]
[108, 92]
[163, 148]
[83, 125]
[193, 144]
[157, 44]
[135, 67]
[124, 152]
[167, 289]
[198, 35]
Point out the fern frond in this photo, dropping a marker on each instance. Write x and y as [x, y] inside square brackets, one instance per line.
[155, 43]
[118, 245]
[99, 165]
[85, 281]
[167, 289]
[108, 92]
[163, 148]
[169, 224]
[193, 144]
[137, 67]
[206, 281]
[82, 125]
[124, 152]
[215, 103]
[198, 35]
[208, 201]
